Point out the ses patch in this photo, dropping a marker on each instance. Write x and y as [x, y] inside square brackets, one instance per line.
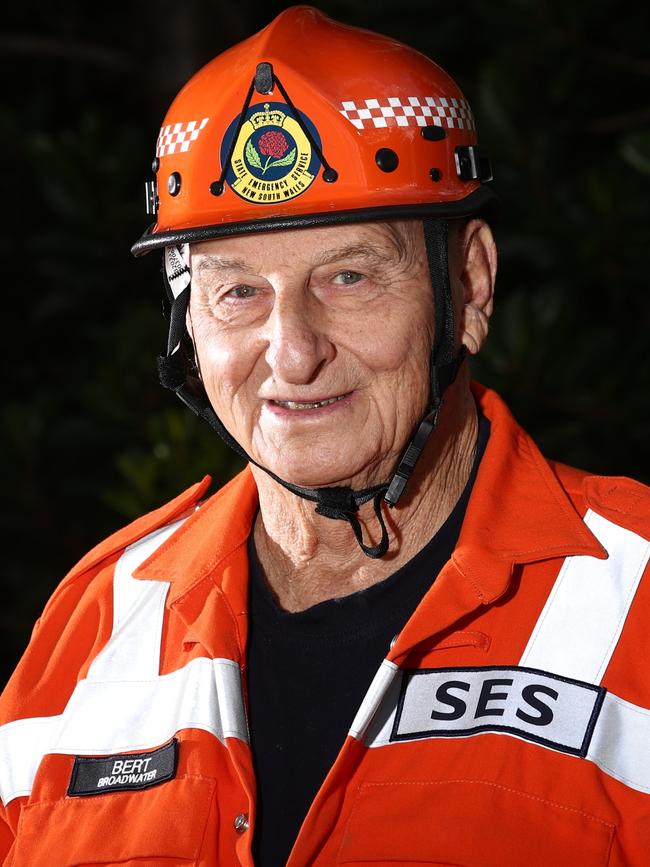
[555, 711]
[123, 772]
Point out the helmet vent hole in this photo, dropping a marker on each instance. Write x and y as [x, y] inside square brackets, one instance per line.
[434, 133]
[435, 174]
[386, 159]
[174, 184]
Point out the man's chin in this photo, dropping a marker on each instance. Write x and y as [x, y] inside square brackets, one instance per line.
[317, 478]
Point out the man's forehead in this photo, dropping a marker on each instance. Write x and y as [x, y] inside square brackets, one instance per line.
[385, 241]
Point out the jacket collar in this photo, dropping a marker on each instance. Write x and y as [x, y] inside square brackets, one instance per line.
[518, 512]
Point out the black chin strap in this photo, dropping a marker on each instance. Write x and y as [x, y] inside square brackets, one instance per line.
[341, 505]
[444, 363]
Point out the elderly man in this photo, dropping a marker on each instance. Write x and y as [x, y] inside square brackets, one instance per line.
[401, 636]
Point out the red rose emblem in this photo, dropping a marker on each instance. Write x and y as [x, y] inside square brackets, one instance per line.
[273, 144]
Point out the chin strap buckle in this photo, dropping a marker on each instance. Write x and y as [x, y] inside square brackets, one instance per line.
[410, 458]
[341, 504]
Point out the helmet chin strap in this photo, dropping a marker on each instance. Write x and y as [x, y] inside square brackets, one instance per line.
[178, 372]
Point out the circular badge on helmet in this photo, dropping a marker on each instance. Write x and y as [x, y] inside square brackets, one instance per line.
[273, 160]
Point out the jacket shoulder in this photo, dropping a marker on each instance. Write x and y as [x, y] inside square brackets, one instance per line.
[623, 501]
[141, 527]
[77, 620]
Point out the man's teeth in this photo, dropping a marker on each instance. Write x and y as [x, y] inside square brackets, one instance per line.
[293, 404]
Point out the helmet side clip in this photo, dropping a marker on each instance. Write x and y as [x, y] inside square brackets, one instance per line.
[472, 165]
[151, 197]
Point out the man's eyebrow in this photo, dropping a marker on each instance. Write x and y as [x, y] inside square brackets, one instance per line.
[223, 263]
[353, 251]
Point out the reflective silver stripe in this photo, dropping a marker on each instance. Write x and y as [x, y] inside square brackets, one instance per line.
[124, 705]
[369, 723]
[22, 746]
[577, 633]
[108, 717]
[620, 744]
[133, 650]
[580, 625]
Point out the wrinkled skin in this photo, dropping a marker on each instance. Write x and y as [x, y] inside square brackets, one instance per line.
[327, 312]
[336, 312]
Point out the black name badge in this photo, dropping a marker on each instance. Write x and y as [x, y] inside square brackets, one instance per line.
[123, 772]
[539, 706]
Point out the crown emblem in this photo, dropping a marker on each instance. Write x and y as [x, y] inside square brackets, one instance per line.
[268, 117]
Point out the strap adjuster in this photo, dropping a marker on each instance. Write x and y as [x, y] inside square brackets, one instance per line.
[151, 197]
[472, 164]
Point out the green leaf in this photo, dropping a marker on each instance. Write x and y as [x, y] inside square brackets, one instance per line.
[251, 155]
[285, 161]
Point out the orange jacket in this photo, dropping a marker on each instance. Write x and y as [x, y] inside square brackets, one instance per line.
[508, 725]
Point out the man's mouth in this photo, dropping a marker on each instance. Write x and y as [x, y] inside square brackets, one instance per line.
[315, 404]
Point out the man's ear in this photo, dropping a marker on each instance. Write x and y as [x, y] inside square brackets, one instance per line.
[477, 268]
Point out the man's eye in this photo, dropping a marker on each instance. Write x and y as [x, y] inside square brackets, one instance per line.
[242, 292]
[347, 278]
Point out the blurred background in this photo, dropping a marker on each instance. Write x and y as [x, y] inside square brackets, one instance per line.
[561, 94]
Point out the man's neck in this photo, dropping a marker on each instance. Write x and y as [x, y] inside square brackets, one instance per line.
[308, 558]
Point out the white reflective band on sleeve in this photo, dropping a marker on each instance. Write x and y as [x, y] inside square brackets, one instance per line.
[582, 620]
[124, 705]
[22, 746]
[103, 718]
[204, 694]
[620, 744]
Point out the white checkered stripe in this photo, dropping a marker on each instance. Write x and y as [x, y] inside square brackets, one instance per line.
[413, 111]
[177, 137]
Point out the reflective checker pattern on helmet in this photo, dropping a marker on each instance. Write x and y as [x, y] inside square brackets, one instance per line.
[177, 137]
[416, 111]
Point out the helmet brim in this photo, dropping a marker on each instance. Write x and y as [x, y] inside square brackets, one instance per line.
[483, 200]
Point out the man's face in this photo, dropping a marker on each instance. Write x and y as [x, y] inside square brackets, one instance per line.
[313, 345]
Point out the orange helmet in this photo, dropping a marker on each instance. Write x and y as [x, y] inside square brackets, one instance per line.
[312, 122]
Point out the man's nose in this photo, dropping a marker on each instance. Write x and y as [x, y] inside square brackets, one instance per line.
[298, 346]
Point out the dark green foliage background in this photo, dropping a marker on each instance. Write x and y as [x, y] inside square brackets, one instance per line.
[561, 95]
